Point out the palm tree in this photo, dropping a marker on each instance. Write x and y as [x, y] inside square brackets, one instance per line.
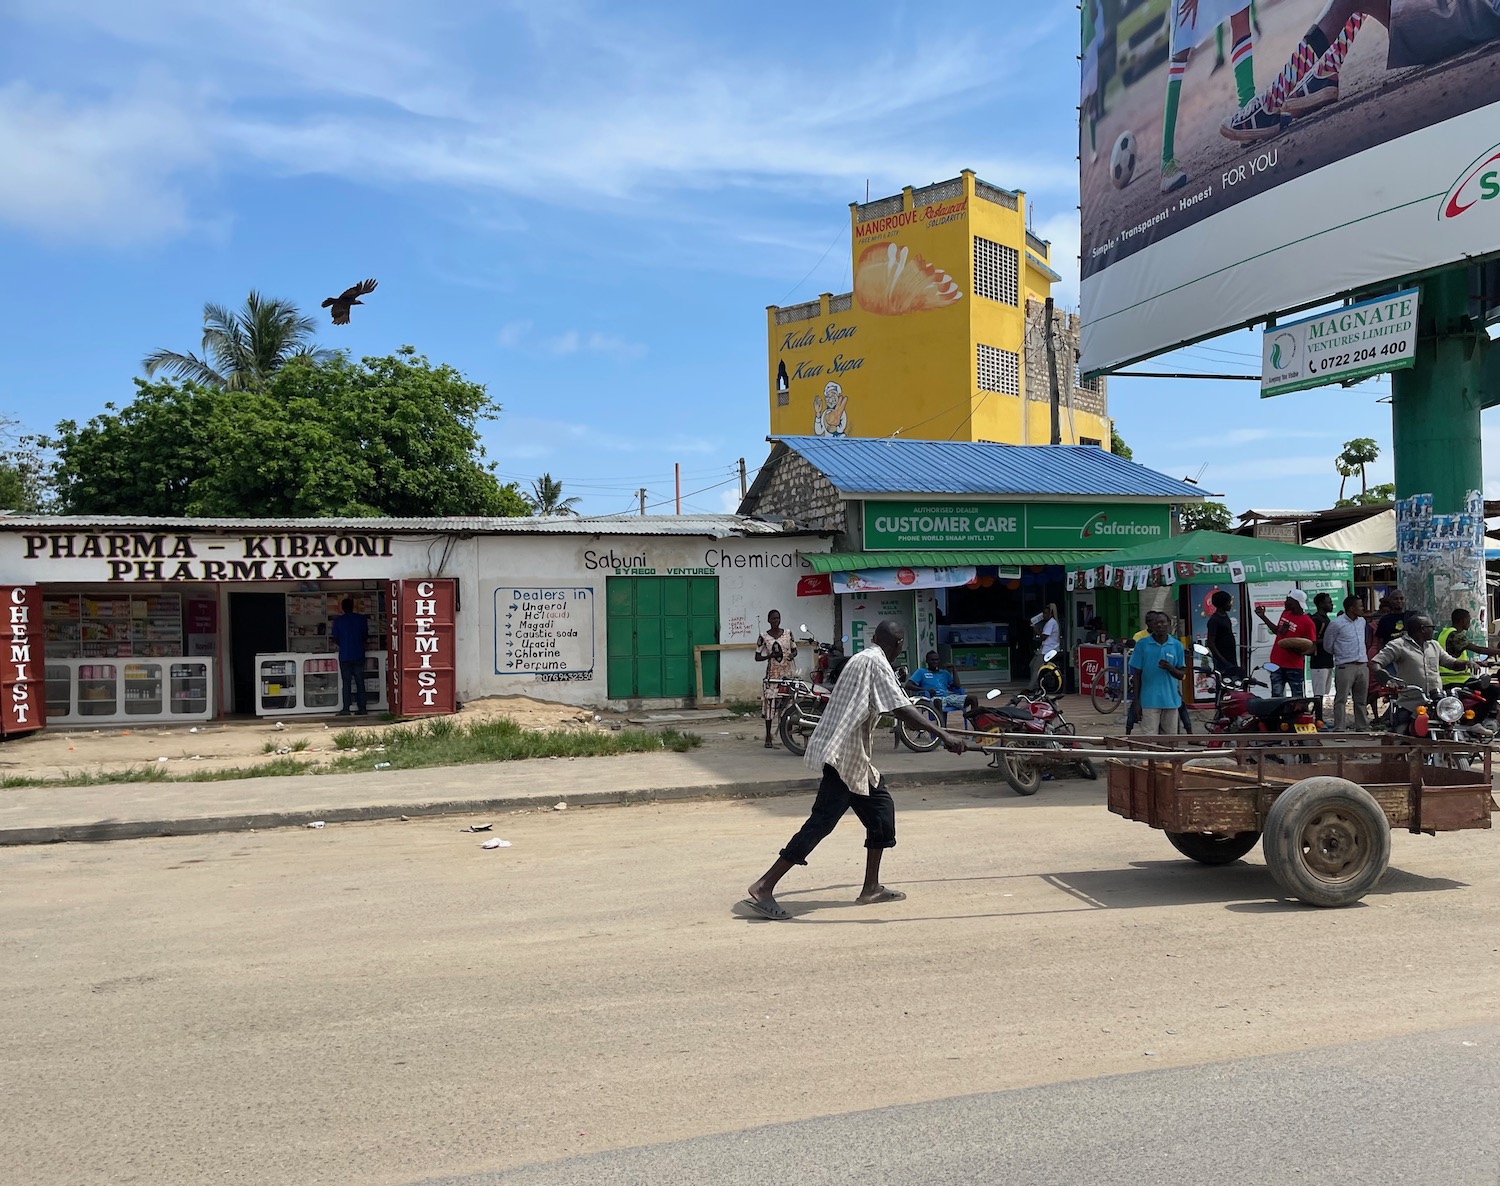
[546, 498]
[242, 349]
[1356, 454]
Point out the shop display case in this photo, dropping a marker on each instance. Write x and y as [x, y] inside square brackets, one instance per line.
[119, 626]
[309, 617]
[92, 692]
[308, 685]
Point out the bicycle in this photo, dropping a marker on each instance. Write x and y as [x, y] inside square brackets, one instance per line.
[1108, 689]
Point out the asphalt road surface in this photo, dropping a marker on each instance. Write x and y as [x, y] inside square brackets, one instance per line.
[389, 1003]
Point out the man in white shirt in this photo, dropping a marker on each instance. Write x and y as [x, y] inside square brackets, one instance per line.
[1048, 636]
[1345, 641]
[840, 747]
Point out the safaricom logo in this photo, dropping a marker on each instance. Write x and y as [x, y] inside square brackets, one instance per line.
[1480, 183]
[1100, 524]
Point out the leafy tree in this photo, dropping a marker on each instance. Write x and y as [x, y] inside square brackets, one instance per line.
[385, 436]
[1353, 459]
[1206, 516]
[1117, 444]
[1374, 496]
[242, 348]
[546, 498]
[23, 470]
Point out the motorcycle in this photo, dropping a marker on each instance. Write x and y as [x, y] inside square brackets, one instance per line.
[1237, 709]
[1030, 716]
[1420, 714]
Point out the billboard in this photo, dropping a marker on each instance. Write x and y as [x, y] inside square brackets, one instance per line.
[1243, 159]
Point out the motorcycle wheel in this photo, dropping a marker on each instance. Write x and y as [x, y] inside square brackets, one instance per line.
[795, 728]
[1087, 769]
[920, 741]
[1049, 680]
[1024, 775]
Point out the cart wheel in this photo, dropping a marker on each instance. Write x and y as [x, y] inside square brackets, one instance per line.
[1024, 775]
[1327, 841]
[1209, 848]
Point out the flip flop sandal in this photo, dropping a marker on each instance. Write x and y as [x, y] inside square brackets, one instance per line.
[767, 908]
[882, 894]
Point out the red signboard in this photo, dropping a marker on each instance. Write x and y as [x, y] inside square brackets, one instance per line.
[424, 642]
[1091, 660]
[23, 704]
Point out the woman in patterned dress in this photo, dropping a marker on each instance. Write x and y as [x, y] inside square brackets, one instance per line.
[777, 650]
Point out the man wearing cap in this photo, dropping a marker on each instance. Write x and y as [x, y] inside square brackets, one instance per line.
[1296, 636]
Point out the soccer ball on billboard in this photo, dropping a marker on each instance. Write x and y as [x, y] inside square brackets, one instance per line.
[1122, 160]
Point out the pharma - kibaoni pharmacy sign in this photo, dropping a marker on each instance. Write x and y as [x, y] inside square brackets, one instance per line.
[1001, 526]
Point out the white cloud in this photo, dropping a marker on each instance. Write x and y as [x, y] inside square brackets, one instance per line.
[106, 170]
[522, 335]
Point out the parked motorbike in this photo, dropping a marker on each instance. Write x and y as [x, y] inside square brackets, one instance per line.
[1032, 716]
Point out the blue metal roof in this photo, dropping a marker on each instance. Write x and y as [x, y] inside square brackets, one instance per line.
[891, 465]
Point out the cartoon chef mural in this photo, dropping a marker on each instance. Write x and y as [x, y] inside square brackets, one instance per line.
[831, 412]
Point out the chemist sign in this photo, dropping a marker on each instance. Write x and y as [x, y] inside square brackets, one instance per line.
[1350, 343]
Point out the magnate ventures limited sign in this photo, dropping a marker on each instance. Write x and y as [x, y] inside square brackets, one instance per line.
[999, 526]
[1369, 338]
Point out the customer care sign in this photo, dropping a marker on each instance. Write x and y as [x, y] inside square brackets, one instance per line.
[1369, 338]
[999, 526]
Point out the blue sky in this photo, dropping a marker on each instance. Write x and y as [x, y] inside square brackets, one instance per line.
[584, 206]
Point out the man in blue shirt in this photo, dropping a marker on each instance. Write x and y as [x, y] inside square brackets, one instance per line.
[1157, 669]
[934, 682]
[351, 632]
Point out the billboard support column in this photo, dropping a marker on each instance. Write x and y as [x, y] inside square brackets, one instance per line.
[1435, 409]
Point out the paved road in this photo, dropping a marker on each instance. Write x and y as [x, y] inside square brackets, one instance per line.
[387, 1003]
[1413, 1109]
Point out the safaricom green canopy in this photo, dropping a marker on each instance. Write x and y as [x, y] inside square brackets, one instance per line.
[1208, 555]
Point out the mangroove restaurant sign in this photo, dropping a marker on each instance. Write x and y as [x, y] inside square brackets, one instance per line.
[998, 526]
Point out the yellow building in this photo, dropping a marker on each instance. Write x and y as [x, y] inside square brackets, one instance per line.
[944, 336]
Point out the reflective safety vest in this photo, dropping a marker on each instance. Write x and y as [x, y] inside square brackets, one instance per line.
[1453, 678]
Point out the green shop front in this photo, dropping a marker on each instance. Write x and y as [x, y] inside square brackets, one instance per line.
[968, 576]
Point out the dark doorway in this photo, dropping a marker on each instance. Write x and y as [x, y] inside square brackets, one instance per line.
[257, 626]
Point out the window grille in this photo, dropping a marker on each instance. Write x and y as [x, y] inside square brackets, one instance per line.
[999, 370]
[996, 271]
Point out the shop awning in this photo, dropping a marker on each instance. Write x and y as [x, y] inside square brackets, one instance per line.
[1209, 555]
[861, 561]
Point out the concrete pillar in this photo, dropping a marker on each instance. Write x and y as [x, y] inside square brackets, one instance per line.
[1439, 467]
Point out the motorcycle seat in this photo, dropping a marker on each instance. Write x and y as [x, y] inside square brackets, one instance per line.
[1010, 712]
[1266, 707]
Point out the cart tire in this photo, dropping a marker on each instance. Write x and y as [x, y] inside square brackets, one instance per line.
[791, 726]
[1208, 848]
[921, 741]
[1327, 841]
[1104, 698]
[1024, 775]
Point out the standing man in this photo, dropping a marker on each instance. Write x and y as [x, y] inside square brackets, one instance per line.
[351, 632]
[1296, 638]
[1392, 624]
[1157, 668]
[1321, 662]
[1219, 636]
[1344, 640]
[840, 747]
[1048, 637]
[1418, 662]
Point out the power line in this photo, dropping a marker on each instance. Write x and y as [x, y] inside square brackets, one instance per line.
[843, 230]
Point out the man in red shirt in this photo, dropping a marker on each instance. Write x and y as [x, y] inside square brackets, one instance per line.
[1296, 637]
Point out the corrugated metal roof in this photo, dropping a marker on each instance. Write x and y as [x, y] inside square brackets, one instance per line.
[862, 465]
[717, 526]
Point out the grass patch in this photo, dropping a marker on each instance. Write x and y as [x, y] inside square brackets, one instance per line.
[441, 741]
[300, 745]
[746, 708]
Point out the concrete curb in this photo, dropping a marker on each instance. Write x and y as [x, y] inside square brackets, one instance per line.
[266, 820]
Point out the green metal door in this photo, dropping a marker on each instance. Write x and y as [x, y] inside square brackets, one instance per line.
[652, 626]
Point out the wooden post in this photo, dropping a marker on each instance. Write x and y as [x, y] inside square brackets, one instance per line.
[677, 479]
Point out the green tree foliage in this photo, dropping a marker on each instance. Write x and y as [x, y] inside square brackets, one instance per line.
[1117, 444]
[1374, 496]
[385, 436]
[546, 498]
[1353, 459]
[23, 470]
[242, 348]
[1206, 516]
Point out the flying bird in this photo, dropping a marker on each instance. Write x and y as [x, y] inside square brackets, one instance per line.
[350, 296]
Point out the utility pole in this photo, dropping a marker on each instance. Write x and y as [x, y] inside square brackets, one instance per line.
[641, 494]
[677, 479]
[743, 488]
[1052, 375]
